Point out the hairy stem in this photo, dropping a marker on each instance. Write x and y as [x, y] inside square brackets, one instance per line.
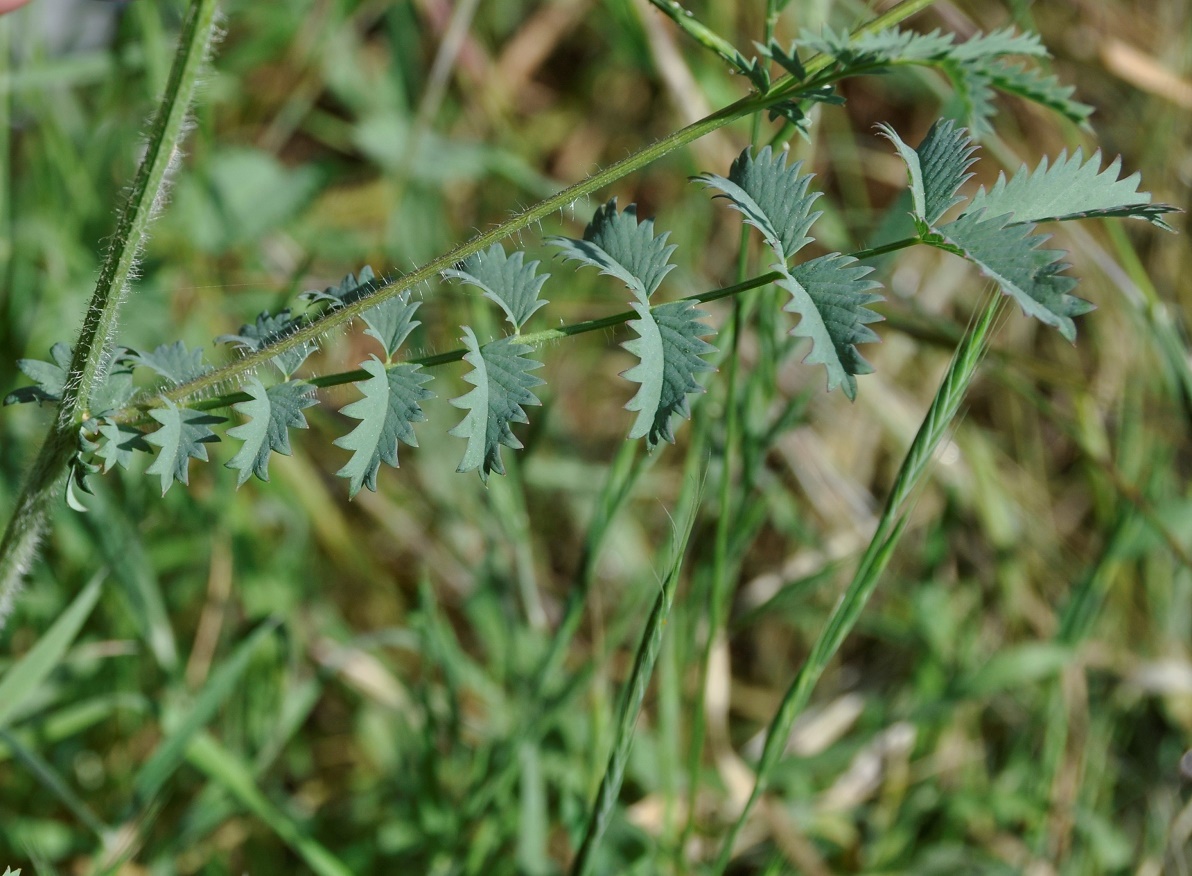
[936, 424]
[91, 351]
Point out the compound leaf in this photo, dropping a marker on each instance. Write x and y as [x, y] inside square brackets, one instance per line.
[182, 437]
[172, 361]
[266, 330]
[117, 444]
[1009, 254]
[937, 169]
[391, 322]
[506, 280]
[1071, 188]
[669, 348]
[271, 414]
[622, 247]
[831, 295]
[391, 404]
[502, 380]
[772, 197]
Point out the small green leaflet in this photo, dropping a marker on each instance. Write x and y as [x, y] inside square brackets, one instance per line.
[1071, 188]
[506, 280]
[118, 443]
[502, 380]
[349, 289]
[76, 481]
[50, 381]
[391, 322]
[936, 170]
[622, 247]
[271, 414]
[832, 297]
[772, 197]
[1044, 90]
[669, 344]
[49, 377]
[268, 329]
[172, 361]
[975, 67]
[893, 44]
[788, 59]
[669, 347]
[182, 437]
[390, 406]
[1010, 255]
[830, 294]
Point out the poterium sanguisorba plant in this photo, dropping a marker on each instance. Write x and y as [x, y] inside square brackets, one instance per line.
[114, 404]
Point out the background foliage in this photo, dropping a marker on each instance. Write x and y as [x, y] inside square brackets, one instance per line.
[366, 671]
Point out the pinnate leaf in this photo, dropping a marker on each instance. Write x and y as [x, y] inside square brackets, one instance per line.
[271, 413]
[390, 406]
[937, 169]
[1010, 256]
[670, 349]
[502, 382]
[173, 361]
[391, 322]
[1071, 188]
[772, 197]
[506, 280]
[622, 247]
[831, 295]
[182, 437]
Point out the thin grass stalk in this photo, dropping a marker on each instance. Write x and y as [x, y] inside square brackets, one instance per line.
[90, 361]
[718, 591]
[937, 423]
[634, 691]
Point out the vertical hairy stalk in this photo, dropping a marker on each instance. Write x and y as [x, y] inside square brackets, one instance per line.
[938, 421]
[88, 367]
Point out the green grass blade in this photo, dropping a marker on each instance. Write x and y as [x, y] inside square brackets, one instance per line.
[169, 755]
[635, 686]
[24, 677]
[939, 419]
[120, 544]
[224, 768]
[49, 779]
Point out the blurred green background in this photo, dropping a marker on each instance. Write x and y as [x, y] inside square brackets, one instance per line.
[1018, 695]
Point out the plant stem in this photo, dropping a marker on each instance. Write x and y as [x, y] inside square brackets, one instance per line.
[91, 351]
[847, 611]
[782, 89]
